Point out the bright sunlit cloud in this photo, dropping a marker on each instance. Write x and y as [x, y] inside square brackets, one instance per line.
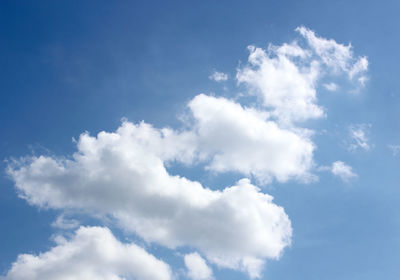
[122, 177]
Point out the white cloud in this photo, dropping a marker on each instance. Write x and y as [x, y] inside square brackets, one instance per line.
[359, 136]
[286, 77]
[92, 253]
[218, 76]
[362, 80]
[290, 50]
[337, 57]
[359, 67]
[63, 223]
[283, 86]
[197, 268]
[342, 170]
[245, 140]
[122, 174]
[334, 55]
[331, 86]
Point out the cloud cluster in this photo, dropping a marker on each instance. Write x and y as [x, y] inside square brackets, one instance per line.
[92, 253]
[286, 77]
[123, 174]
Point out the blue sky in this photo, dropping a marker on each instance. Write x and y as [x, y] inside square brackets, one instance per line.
[331, 165]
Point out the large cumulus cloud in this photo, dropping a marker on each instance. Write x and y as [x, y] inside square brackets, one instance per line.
[120, 174]
[92, 253]
[123, 174]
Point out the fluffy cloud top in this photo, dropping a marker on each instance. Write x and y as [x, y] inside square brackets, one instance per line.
[245, 140]
[282, 85]
[93, 253]
[286, 77]
[123, 175]
[344, 171]
[197, 267]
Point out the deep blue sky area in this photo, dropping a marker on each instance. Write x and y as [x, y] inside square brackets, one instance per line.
[67, 67]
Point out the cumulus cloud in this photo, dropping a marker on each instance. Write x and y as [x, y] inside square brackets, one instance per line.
[92, 253]
[281, 84]
[218, 76]
[197, 268]
[122, 175]
[359, 136]
[286, 77]
[343, 171]
[245, 140]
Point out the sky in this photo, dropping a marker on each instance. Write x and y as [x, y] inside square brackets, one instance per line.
[199, 140]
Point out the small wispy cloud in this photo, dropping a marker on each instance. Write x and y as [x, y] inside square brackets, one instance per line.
[336, 56]
[64, 223]
[343, 171]
[359, 136]
[218, 76]
[331, 86]
[395, 149]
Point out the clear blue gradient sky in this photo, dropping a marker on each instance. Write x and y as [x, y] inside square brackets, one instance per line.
[73, 66]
